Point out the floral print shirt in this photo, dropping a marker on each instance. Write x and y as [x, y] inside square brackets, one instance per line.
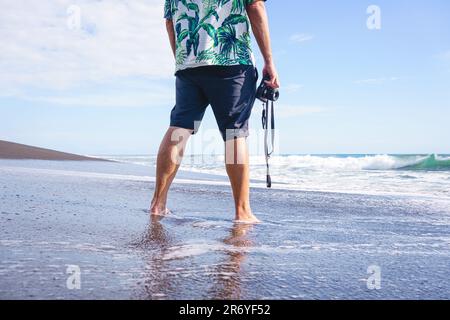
[210, 32]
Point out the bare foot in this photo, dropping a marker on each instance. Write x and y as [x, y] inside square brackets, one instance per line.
[248, 218]
[159, 211]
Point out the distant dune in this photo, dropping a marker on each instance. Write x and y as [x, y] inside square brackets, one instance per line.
[11, 150]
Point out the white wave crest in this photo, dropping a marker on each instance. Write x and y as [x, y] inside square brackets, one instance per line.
[372, 162]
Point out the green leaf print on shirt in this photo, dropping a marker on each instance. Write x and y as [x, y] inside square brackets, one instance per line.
[194, 27]
[211, 32]
[214, 4]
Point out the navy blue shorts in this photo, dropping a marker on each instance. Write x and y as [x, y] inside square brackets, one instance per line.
[230, 90]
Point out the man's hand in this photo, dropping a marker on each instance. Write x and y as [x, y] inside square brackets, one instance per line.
[260, 26]
[271, 71]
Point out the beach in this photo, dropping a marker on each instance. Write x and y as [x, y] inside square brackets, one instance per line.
[11, 150]
[91, 216]
[342, 107]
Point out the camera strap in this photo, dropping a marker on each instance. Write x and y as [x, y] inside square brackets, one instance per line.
[268, 113]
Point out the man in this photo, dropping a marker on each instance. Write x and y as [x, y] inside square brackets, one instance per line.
[215, 66]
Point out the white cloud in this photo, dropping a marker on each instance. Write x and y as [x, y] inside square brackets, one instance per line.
[377, 80]
[292, 88]
[301, 37]
[443, 59]
[446, 55]
[162, 96]
[289, 111]
[117, 39]
[280, 53]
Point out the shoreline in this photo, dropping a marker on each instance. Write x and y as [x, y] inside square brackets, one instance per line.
[184, 177]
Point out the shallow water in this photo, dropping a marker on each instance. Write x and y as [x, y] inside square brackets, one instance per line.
[311, 245]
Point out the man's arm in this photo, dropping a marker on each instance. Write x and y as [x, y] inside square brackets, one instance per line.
[171, 33]
[260, 26]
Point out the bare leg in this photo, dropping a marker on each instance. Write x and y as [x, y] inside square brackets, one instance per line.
[237, 164]
[169, 159]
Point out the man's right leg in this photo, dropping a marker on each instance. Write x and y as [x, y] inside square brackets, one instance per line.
[237, 164]
[169, 159]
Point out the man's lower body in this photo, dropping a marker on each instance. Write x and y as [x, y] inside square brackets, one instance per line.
[231, 93]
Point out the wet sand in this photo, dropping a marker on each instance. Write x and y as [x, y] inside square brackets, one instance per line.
[311, 245]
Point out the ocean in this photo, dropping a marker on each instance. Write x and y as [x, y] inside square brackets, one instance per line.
[421, 175]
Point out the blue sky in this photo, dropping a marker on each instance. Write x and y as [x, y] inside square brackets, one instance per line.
[107, 86]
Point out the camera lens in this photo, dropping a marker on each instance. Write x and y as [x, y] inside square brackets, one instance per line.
[273, 94]
[276, 95]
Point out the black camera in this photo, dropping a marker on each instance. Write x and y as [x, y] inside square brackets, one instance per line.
[266, 93]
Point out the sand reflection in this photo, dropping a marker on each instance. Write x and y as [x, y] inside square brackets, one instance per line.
[220, 280]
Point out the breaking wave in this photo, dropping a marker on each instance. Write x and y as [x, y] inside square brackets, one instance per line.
[362, 162]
